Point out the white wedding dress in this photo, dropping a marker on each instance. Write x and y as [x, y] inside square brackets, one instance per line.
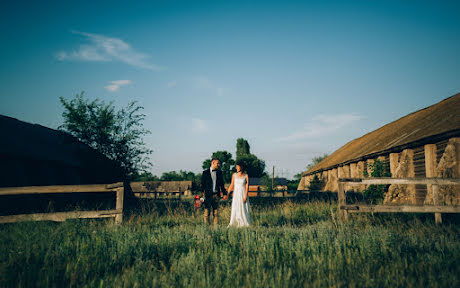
[240, 211]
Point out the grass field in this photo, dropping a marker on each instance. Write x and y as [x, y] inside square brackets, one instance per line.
[291, 244]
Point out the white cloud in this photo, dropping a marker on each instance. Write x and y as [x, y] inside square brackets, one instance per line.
[115, 85]
[103, 49]
[199, 125]
[321, 125]
[172, 84]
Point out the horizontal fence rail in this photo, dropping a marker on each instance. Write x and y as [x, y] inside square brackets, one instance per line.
[117, 213]
[344, 209]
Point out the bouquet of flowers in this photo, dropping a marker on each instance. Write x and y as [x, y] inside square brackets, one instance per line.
[199, 201]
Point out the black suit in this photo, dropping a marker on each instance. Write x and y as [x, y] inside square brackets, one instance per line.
[206, 183]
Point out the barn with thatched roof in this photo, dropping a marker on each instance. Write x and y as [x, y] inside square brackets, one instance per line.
[425, 143]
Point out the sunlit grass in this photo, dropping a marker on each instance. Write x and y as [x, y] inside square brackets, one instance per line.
[289, 245]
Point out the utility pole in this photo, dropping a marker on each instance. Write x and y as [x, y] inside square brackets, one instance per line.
[273, 179]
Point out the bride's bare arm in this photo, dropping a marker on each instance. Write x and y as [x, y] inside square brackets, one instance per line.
[247, 189]
[231, 187]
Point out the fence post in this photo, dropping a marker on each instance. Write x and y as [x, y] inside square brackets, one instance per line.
[343, 214]
[437, 216]
[119, 205]
[430, 168]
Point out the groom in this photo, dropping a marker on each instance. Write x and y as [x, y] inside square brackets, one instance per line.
[212, 182]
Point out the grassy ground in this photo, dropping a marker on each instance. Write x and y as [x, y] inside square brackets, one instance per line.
[291, 244]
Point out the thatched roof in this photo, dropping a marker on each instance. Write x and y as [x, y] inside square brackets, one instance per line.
[429, 125]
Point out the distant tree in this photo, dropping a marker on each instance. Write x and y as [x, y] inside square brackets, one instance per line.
[242, 147]
[178, 176]
[253, 165]
[182, 176]
[266, 182]
[116, 134]
[316, 160]
[145, 176]
[294, 183]
[298, 176]
[226, 164]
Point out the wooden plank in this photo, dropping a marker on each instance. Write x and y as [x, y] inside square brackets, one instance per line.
[60, 216]
[401, 208]
[54, 189]
[437, 216]
[387, 180]
[114, 185]
[343, 214]
[119, 205]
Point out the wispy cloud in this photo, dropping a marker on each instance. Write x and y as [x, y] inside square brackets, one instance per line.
[199, 125]
[321, 125]
[101, 48]
[115, 85]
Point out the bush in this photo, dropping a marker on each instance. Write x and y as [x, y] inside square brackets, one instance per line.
[375, 193]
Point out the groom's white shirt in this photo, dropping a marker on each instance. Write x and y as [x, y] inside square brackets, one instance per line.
[213, 177]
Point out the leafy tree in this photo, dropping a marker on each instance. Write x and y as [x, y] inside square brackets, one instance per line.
[145, 176]
[375, 193]
[178, 176]
[253, 165]
[316, 160]
[116, 134]
[294, 183]
[226, 163]
[242, 147]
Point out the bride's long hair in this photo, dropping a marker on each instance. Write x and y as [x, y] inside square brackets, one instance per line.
[242, 166]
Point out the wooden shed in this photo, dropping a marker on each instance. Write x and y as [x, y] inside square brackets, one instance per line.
[425, 143]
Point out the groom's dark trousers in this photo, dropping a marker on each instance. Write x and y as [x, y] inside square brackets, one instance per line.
[212, 192]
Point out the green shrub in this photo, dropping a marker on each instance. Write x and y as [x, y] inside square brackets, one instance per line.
[375, 193]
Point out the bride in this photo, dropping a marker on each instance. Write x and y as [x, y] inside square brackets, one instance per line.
[240, 205]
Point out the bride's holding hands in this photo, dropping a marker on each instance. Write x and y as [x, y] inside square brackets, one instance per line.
[240, 205]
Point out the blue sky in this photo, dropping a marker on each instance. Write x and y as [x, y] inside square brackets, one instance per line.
[295, 78]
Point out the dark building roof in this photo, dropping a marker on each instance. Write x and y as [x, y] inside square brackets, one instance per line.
[25, 143]
[434, 123]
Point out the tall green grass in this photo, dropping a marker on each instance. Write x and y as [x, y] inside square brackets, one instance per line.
[289, 245]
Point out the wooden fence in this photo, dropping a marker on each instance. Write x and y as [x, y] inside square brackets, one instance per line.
[62, 216]
[344, 208]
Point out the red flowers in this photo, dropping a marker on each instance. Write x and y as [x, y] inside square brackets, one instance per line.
[197, 201]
